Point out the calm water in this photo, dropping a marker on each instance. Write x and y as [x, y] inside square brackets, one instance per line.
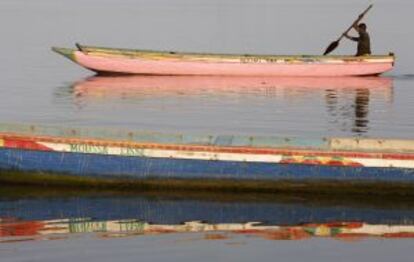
[38, 86]
[44, 225]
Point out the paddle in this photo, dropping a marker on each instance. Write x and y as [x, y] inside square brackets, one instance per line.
[335, 44]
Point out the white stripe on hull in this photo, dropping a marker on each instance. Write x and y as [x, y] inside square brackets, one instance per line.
[218, 156]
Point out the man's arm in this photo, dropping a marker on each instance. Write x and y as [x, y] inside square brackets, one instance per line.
[356, 39]
[355, 26]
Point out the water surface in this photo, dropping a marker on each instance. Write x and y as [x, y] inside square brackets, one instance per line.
[45, 223]
[38, 86]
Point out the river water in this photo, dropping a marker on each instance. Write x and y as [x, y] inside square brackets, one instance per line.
[67, 225]
[38, 86]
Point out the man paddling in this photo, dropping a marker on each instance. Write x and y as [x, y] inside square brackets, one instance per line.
[364, 43]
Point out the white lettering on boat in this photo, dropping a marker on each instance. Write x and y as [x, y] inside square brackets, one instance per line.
[130, 151]
[265, 60]
[90, 149]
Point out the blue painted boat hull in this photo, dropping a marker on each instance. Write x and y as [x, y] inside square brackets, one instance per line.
[111, 166]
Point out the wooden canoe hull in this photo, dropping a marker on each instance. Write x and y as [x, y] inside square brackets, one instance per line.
[117, 154]
[124, 61]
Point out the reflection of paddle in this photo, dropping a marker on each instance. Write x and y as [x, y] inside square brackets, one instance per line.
[335, 44]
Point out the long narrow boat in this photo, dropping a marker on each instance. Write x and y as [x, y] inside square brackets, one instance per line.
[128, 61]
[141, 156]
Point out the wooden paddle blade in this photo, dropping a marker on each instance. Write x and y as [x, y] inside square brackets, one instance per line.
[331, 47]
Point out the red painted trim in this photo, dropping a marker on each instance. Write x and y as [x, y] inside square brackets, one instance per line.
[399, 235]
[29, 228]
[24, 144]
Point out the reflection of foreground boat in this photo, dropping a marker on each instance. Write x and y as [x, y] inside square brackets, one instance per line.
[143, 156]
[12, 229]
[135, 86]
[169, 207]
[126, 61]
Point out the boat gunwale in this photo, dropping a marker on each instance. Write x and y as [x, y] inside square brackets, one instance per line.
[287, 150]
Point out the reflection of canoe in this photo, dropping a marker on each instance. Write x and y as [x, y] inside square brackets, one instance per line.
[126, 61]
[133, 86]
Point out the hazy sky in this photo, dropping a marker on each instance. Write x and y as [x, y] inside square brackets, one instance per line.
[29, 28]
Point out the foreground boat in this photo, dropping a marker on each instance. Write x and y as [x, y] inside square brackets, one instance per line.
[127, 61]
[139, 156]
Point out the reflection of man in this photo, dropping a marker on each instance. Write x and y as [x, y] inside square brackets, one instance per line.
[364, 43]
[361, 110]
[352, 113]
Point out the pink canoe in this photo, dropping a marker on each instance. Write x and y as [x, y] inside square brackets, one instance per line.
[127, 61]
